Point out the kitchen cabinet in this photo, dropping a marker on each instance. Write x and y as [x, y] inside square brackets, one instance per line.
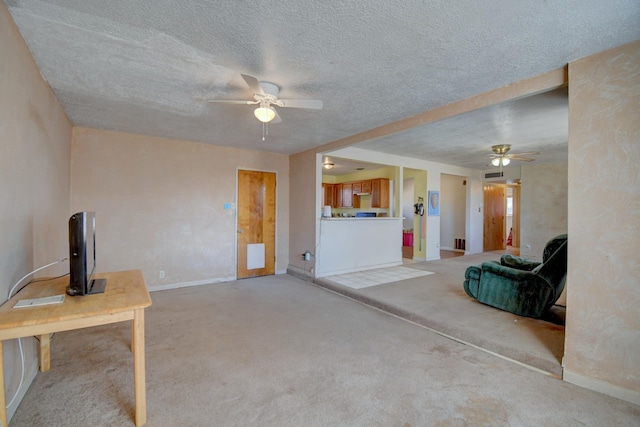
[347, 195]
[343, 195]
[328, 198]
[380, 193]
[362, 187]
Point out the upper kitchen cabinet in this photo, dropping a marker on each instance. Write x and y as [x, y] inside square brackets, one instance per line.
[328, 191]
[347, 195]
[380, 193]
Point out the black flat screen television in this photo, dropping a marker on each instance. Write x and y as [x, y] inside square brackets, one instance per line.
[82, 255]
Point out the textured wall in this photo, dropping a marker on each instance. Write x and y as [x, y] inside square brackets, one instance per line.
[160, 204]
[602, 344]
[453, 208]
[543, 206]
[35, 139]
[306, 199]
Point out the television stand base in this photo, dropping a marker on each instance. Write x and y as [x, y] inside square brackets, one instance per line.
[98, 286]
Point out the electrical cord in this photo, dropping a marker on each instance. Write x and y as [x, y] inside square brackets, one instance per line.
[20, 339]
[41, 280]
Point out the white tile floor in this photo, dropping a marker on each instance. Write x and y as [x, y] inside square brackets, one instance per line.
[379, 276]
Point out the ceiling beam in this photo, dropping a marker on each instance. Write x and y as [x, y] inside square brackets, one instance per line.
[523, 88]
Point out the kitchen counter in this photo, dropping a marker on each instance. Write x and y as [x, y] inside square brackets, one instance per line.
[342, 218]
[349, 244]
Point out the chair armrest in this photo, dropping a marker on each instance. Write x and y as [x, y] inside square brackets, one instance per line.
[506, 271]
[517, 291]
[517, 262]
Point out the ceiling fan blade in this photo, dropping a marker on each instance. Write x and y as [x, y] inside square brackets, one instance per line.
[253, 83]
[277, 118]
[312, 104]
[522, 159]
[528, 153]
[225, 101]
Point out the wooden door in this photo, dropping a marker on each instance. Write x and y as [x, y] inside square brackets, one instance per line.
[516, 217]
[494, 220]
[256, 223]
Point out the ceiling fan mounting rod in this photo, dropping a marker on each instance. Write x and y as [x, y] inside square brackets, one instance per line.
[501, 149]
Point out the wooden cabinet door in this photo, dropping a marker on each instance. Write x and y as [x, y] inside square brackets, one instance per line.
[337, 195]
[357, 187]
[366, 186]
[375, 193]
[380, 193]
[328, 195]
[347, 195]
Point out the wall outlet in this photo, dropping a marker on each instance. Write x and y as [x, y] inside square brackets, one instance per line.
[527, 247]
[161, 275]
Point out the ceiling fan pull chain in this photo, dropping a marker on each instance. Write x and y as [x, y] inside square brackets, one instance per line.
[263, 130]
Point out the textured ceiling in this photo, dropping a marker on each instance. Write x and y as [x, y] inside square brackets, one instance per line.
[149, 67]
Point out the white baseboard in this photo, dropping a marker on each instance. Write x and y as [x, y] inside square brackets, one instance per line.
[618, 392]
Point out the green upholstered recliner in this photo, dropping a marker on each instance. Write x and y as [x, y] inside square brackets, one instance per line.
[520, 286]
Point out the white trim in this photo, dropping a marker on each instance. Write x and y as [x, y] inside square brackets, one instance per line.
[602, 387]
[194, 283]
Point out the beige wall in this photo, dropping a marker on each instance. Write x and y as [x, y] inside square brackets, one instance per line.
[159, 204]
[543, 206]
[602, 344]
[35, 138]
[305, 196]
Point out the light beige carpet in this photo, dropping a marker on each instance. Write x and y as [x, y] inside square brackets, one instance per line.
[277, 351]
[439, 301]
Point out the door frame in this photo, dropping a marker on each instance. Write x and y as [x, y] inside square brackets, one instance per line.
[235, 231]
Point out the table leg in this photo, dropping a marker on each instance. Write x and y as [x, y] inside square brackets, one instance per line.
[138, 367]
[3, 403]
[44, 353]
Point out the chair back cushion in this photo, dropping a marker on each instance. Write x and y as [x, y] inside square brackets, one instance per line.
[554, 268]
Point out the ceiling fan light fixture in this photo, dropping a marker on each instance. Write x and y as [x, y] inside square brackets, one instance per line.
[495, 161]
[265, 113]
[505, 161]
[327, 165]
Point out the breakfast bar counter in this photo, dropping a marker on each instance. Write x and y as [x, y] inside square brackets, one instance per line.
[356, 244]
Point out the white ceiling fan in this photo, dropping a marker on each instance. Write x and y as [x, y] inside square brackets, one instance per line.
[501, 156]
[265, 95]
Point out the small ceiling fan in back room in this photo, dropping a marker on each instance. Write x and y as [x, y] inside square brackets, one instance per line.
[502, 157]
[265, 95]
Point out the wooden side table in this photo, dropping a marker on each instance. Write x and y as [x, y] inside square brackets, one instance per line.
[124, 299]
